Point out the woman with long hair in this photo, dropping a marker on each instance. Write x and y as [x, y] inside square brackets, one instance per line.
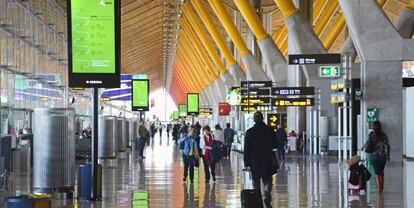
[379, 147]
[206, 147]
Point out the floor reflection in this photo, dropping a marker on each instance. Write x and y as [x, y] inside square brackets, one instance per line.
[301, 182]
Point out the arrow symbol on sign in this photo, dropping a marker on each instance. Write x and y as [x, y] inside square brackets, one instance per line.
[325, 71]
[295, 61]
[273, 119]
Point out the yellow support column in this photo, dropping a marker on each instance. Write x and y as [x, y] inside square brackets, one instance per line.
[225, 19]
[204, 39]
[213, 31]
[251, 18]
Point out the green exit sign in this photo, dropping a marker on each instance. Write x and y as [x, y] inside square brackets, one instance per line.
[329, 71]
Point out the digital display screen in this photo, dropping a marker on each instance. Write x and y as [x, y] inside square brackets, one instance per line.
[140, 95]
[93, 34]
[192, 103]
[182, 108]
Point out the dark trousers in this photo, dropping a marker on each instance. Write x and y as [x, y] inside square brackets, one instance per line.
[187, 166]
[141, 146]
[228, 149]
[209, 169]
[267, 182]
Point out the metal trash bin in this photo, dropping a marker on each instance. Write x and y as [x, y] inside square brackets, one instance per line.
[106, 141]
[54, 150]
[22, 201]
[84, 181]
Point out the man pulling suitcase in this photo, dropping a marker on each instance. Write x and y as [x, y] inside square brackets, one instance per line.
[260, 159]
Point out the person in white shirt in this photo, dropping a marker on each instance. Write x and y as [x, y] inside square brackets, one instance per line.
[218, 133]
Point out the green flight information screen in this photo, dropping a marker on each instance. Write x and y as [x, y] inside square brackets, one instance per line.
[93, 36]
[182, 108]
[192, 103]
[140, 95]
[93, 41]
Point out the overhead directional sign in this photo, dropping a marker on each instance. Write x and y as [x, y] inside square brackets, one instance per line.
[255, 84]
[294, 102]
[275, 119]
[288, 91]
[205, 111]
[255, 101]
[329, 71]
[310, 59]
[262, 108]
[337, 98]
[255, 92]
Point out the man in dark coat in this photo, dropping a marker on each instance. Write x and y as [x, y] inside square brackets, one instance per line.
[282, 137]
[258, 145]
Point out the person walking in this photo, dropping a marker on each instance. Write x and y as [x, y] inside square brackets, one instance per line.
[282, 137]
[258, 151]
[218, 133]
[189, 152]
[168, 130]
[144, 136]
[206, 147]
[228, 138]
[160, 130]
[379, 148]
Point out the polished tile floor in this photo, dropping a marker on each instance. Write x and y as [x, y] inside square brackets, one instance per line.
[302, 182]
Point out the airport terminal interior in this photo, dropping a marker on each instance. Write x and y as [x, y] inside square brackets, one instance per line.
[166, 103]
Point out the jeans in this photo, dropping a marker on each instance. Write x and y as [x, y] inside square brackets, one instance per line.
[141, 146]
[209, 169]
[188, 165]
[267, 182]
[228, 148]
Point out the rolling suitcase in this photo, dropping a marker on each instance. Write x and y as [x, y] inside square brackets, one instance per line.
[250, 197]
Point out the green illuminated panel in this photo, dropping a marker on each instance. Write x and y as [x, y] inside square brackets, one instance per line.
[140, 93]
[93, 36]
[192, 102]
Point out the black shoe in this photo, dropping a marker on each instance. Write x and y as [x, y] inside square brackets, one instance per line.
[184, 179]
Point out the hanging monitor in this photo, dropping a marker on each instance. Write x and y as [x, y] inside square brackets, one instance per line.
[94, 43]
[182, 108]
[192, 103]
[140, 95]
